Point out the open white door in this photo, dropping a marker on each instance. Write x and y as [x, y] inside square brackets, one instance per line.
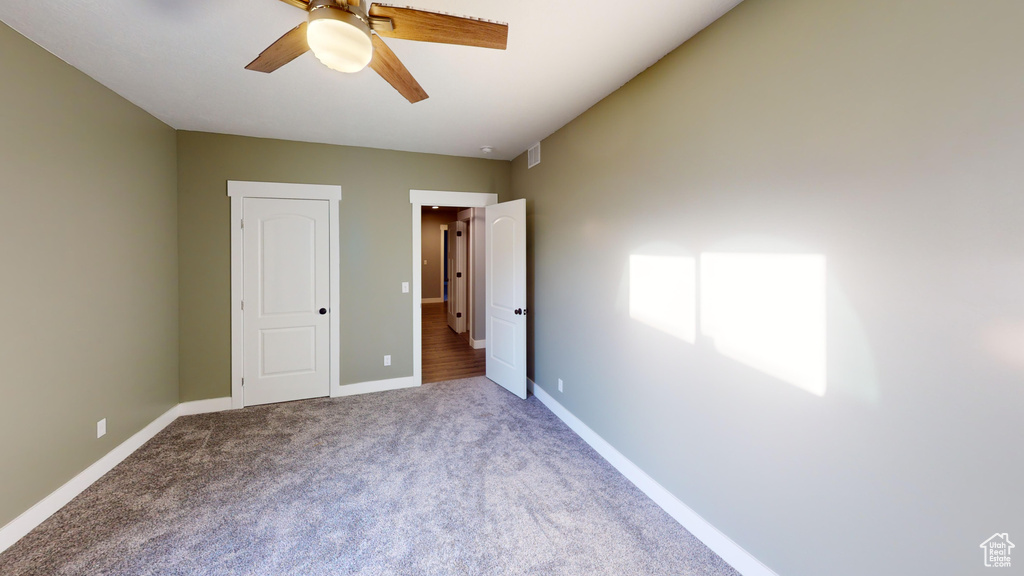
[506, 295]
[286, 300]
[457, 276]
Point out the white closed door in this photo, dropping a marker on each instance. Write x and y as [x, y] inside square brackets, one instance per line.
[285, 300]
[506, 295]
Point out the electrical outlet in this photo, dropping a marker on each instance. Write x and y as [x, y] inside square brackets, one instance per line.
[559, 384]
[405, 287]
[101, 428]
[387, 359]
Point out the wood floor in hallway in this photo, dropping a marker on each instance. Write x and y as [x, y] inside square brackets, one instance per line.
[447, 355]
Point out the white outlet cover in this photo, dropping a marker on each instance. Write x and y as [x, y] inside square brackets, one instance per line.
[559, 384]
[405, 287]
[101, 428]
[387, 360]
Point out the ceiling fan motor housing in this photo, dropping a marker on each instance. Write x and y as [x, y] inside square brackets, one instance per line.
[357, 8]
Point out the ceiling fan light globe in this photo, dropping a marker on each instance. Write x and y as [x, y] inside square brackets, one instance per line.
[339, 39]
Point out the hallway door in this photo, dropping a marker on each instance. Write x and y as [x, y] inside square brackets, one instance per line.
[457, 270]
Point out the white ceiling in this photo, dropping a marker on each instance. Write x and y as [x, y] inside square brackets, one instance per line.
[183, 62]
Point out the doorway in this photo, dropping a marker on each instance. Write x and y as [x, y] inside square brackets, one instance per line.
[449, 280]
[429, 198]
[504, 279]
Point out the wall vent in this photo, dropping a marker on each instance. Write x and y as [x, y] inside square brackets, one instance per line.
[533, 155]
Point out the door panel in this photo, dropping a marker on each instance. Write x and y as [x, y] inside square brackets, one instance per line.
[287, 283]
[288, 351]
[506, 295]
[504, 289]
[504, 342]
[285, 271]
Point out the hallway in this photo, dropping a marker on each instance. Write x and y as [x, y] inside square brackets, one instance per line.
[447, 355]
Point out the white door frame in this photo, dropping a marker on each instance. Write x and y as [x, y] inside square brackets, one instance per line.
[239, 190]
[419, 199]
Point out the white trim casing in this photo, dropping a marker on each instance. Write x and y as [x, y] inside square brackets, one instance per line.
[744, 563]
[375, 386]
[418, 199]
[237, 191]
[284, 190]
[204, 406]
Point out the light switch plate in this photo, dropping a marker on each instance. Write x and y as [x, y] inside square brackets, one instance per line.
[405, 287]
[387, 360]
[101, 428]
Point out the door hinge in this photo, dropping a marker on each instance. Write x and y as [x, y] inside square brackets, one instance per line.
[243, 381]
[242, 222]
[243, 304]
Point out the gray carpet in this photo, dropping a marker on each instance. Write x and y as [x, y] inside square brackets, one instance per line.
[457, 477]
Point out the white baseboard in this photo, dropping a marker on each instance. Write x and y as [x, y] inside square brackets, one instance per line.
[204, 406]
[744, 563]
[432, 300]
[34, 516]
[477, 344]
[374, 386]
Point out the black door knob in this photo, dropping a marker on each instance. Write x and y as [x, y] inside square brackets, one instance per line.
[519, 311]
[323, 311]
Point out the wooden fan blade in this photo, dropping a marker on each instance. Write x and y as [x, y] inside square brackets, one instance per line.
[304, 4]
[284, 50]
[391, 69]
[412, 24]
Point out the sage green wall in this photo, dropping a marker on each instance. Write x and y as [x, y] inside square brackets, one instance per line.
[88, 253]
[887, 135]
[376, 244]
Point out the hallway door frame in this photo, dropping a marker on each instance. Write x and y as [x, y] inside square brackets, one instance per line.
[419, 199]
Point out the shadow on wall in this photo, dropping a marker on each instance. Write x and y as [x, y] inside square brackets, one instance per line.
[768, 311]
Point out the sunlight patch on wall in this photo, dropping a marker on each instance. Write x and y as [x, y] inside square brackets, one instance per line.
[1003, 341]
[663, 294]
[768, 311]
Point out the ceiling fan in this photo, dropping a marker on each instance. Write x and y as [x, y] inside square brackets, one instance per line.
[345, 35]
